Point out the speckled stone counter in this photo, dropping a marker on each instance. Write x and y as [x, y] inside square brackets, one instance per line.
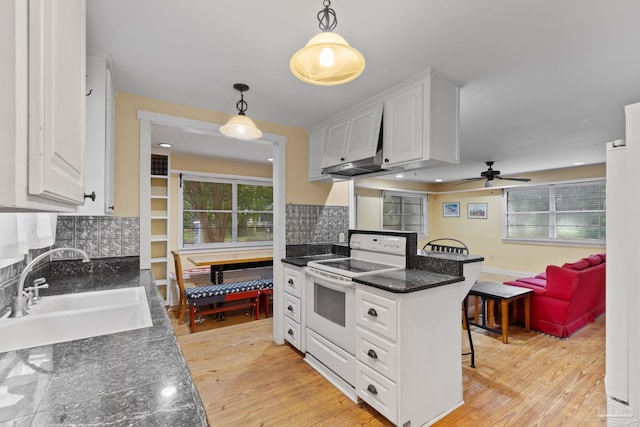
[303, 260]
[133, 378]
[444, 262]
[405, 281]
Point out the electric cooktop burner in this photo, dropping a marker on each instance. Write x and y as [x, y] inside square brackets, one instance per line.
[356, 265]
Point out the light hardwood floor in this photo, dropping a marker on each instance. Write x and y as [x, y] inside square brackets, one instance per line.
[244, 379]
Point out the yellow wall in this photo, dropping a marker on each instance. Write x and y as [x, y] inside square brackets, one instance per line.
[127, 154]
[484, 236]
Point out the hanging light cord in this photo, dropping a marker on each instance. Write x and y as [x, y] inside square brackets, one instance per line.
[327, 20]
[241, 105]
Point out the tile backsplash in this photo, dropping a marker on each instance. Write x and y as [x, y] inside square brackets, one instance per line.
[99, 236]
[315, 223]
[113, 243]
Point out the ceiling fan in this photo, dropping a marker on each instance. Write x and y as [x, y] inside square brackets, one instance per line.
[490, 174]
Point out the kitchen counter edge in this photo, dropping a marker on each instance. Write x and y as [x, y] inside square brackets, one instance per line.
[133, 377]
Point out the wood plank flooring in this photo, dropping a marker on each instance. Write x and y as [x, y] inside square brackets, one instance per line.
[244, 379]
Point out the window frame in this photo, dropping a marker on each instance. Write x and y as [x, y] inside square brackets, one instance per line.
[552, 220]
[235, 180]
[425, 212]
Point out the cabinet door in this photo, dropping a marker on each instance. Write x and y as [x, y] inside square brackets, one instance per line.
[364, 133]
[57, 100]
[403, 119]
[353, 138]
[336, 143]
[94, 177]
[315, 148]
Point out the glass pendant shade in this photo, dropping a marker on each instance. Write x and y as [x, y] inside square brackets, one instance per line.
[241, 127]
[327, 60]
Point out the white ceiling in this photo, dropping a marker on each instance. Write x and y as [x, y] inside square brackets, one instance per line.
[545, 81]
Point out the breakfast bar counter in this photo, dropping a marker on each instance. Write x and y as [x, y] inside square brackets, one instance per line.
[138, 377]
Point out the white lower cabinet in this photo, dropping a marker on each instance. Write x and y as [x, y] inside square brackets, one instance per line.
[377, 390]
[294, 320]
[408, 353]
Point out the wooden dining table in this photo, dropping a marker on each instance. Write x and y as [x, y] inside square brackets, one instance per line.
[232, 260]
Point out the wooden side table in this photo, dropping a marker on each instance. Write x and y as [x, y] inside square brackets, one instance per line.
[492, 292]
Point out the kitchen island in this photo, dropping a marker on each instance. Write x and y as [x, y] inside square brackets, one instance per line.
[407, 358]
[138, 377]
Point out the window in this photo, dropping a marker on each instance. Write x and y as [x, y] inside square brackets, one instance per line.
[404, 212]
[217, 212]
[567, 212]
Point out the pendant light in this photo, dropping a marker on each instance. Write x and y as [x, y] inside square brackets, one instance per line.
[327, 60]
[241, 126]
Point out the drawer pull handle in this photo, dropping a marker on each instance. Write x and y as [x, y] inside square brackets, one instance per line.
[371, 389]
[290, 308]
[290, 332]
[372, 312]
[290, 281]
[372, 354]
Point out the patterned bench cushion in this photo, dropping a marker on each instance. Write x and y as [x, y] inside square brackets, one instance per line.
[228, 288]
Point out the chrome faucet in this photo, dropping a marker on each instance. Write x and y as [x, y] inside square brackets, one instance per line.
[19, 307]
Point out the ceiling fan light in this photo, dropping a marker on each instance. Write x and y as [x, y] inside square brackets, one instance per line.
[241, 127]
[327, 60]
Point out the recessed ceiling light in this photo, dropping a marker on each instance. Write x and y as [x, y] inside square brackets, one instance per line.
[438, 179]
[165, 145]
[269, 159]
[399, 175]
[578, 164]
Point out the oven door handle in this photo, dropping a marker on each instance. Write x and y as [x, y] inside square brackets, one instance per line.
[330, 280]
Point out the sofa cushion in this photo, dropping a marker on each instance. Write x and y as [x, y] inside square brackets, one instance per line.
[581, 264]
[603, 257]
[593, 260]
[542, 276]
[535, 281]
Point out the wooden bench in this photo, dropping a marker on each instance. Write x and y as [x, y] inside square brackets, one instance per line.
[225, 297]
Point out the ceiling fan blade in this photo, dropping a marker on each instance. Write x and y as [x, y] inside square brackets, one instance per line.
[466, 180]
[514, 178]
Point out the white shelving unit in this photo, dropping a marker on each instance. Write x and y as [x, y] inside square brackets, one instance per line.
[160, 259]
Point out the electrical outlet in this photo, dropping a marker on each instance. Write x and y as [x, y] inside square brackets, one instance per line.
[341, 237]
[492, 257]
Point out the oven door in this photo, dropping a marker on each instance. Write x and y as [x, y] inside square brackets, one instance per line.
[331, 307]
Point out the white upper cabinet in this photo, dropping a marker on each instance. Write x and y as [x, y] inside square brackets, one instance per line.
[315, 148]
[402, 129]
[42, 110]
[99, 168]
[420, 120]
[354, 136]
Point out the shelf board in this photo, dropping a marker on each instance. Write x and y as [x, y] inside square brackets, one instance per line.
[159, 260]
[159, 238]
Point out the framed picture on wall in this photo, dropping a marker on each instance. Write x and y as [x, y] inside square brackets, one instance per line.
[451, 209]
[477, 210]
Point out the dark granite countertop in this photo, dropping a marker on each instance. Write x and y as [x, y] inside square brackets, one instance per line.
[302, 261]
[405, 281]
[137, 377]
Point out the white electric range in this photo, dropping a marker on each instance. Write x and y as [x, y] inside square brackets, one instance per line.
[331, 328]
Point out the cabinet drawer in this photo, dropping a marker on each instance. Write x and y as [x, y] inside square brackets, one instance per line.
[377, 313]
[377, 391]
[292, 307]
[292, 333]
[293, 282]
[376, 353]
[342, 363]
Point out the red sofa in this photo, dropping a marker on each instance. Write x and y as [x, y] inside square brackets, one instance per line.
[566, 298]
